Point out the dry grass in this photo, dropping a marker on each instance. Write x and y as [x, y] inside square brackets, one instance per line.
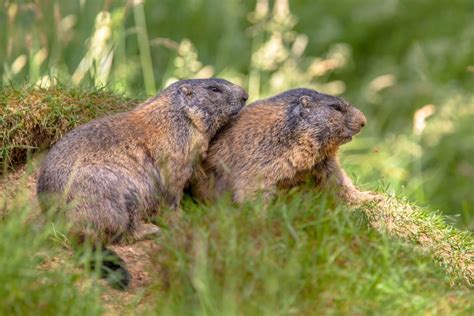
[34, 119]
[450, 247]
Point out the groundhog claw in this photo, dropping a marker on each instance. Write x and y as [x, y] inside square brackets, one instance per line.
[145, 231]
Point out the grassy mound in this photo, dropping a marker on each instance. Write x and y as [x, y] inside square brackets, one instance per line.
[34, 119]
[302, 255]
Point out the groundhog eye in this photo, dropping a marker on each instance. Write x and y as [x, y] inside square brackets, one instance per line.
[336, 107]
[214, 89]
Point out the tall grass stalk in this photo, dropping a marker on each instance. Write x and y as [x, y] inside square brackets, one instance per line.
[143, 44]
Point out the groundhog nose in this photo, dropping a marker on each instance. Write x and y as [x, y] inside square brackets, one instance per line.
[363, 121]
[245, 97]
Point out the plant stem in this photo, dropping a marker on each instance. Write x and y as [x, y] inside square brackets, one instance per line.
[144, 47]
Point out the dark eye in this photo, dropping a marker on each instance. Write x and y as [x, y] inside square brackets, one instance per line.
[336, 107]
[214, 89]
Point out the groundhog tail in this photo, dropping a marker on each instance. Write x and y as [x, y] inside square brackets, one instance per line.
[114, 269]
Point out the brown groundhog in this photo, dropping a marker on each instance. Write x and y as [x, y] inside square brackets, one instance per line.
[278, 143]
[116, 172]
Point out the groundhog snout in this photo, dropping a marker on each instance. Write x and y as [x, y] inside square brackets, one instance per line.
[357, 121]
[240, 97]
[245, 97]
[240, 94]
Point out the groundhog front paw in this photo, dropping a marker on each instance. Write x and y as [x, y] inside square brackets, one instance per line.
[145, 231]
[360, 197]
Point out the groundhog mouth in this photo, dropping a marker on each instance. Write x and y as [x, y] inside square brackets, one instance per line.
[346, 139]
[235, 113]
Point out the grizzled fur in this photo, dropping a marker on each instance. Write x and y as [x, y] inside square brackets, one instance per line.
[118, 171]
[279, 142]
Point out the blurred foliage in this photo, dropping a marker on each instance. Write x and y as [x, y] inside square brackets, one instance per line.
[36, 278]
[392, 58]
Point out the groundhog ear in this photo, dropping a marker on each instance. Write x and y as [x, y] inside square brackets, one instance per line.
[186, 89]
[305, 101]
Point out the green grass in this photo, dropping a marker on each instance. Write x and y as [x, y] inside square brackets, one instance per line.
[303, 254]
[36, 278]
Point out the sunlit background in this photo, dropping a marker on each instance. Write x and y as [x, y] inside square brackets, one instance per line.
[408, 65]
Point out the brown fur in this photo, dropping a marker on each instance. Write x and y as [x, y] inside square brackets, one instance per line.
[279, 142]
[117, 172]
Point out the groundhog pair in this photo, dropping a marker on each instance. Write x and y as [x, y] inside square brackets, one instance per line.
[116, 172]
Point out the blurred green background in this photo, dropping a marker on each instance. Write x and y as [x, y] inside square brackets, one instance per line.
[408, 65]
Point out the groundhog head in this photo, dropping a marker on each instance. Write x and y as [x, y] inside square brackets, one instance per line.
[329, 119]
[208, 103]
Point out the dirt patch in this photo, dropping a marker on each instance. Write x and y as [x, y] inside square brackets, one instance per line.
[17, 180]
[138, 260]
[139, 264]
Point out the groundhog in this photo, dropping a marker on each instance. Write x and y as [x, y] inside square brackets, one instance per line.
[116, 172]
[279, 143]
